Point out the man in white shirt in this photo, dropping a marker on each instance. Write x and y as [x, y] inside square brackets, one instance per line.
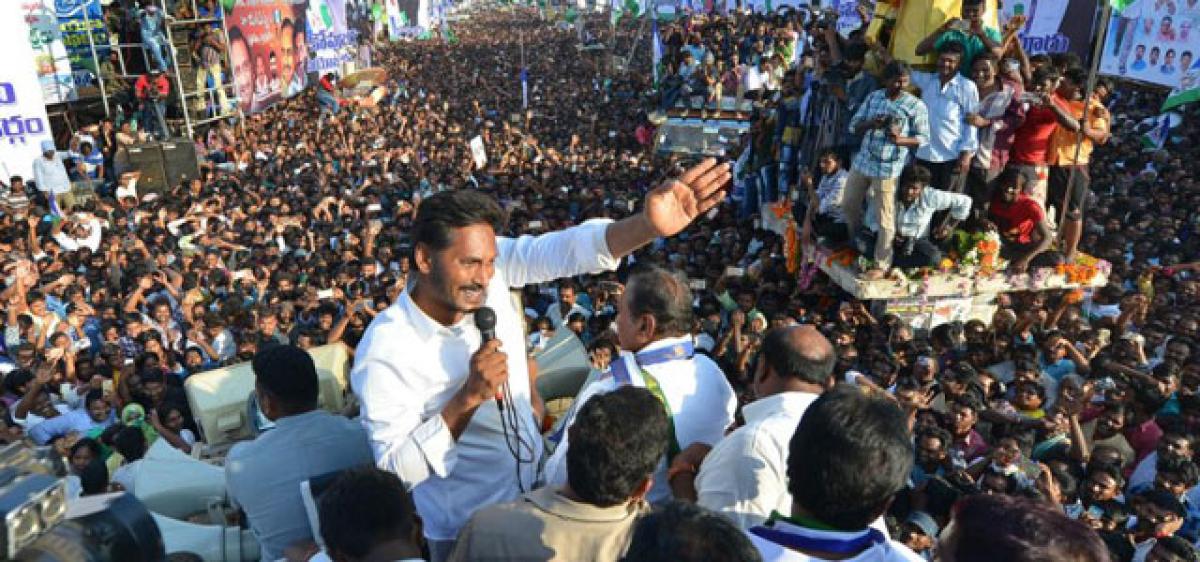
[559, 312]
[951, 99]
[745, 474]
[80, 231]
[850, 455]
[427, 382]
[654, 328]
[49, 173]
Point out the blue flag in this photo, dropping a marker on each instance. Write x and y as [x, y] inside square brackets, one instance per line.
[524, 88]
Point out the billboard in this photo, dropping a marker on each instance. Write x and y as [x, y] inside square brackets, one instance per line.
[1152, 41]
[23, 121]
[75, 17]
[1054, 27]
[268, 50]
[49, 54]
[331, 40]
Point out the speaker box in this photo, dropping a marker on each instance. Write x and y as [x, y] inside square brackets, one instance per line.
[179, 161]
[147, 158]
[163, 164]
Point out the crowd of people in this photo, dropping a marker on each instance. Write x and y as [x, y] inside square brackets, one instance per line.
[1077, 410]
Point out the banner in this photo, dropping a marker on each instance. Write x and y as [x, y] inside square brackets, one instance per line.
[23, 121]
[848, 19]
[329, 36]
[403, 18]
[1054, 27]
[1152, 41]
[1188, 90]
[75, 17]
[49, 54]
[268, 50]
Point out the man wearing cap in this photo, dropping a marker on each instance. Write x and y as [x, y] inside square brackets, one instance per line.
[50, 175]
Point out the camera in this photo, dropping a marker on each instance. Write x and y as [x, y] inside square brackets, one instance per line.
[42, 523]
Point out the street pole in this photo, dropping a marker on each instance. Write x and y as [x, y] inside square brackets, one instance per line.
[87, 21]
[1093, 72]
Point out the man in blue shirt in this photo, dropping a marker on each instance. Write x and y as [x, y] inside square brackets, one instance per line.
[96, 413]
[264, 476]
[915, 205]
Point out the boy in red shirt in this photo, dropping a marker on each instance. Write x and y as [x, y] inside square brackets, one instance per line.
[1021, 222]
[1031, 141]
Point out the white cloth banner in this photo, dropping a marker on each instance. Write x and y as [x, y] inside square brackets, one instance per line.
[478, 152]
[23, 121]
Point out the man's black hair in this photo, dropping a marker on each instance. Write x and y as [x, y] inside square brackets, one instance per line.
[443, 212]
[1182, 467]
[1077, 75]
[1000, 527]
[952, 48]
[616, 442]
[895, 69]
[1179, 549]
[849, 456]
[289, 375]
[363, 507]
[662, 294]
[1165, 501]
[684, 532]
[789, 361]
[94, 478]
[915, 173]
[130, 442]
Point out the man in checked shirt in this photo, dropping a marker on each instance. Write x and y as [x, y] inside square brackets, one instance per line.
[892, 122]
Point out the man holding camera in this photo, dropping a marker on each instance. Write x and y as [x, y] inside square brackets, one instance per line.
[892, 122]
[151, 90]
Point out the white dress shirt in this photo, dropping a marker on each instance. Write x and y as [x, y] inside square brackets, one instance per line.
[51, 175]
[745, 475]
[408, 366]
[702, 405]
[949, 133]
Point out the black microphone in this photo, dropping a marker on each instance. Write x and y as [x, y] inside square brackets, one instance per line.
[485, 320]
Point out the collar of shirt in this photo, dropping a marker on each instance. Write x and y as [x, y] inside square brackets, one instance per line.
[665, 342]
[550, 500]
[297, 419]
[425, 326]
[794, 403]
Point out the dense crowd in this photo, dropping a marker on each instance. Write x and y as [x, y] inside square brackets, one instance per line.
[299, 232]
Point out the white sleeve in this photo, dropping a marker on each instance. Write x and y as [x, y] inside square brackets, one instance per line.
[95, 233]
[572, 251]
[66, 241]
[401, 441]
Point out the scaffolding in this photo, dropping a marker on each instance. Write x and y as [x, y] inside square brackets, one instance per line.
[188, 107]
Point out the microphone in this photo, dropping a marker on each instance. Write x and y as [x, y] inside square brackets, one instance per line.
[485, 320]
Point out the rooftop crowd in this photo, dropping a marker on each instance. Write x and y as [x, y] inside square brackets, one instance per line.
[1063, 429]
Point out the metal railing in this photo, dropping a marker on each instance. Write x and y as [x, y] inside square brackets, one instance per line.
[183, 94]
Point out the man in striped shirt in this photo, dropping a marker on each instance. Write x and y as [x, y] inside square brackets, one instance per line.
[15, 202]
